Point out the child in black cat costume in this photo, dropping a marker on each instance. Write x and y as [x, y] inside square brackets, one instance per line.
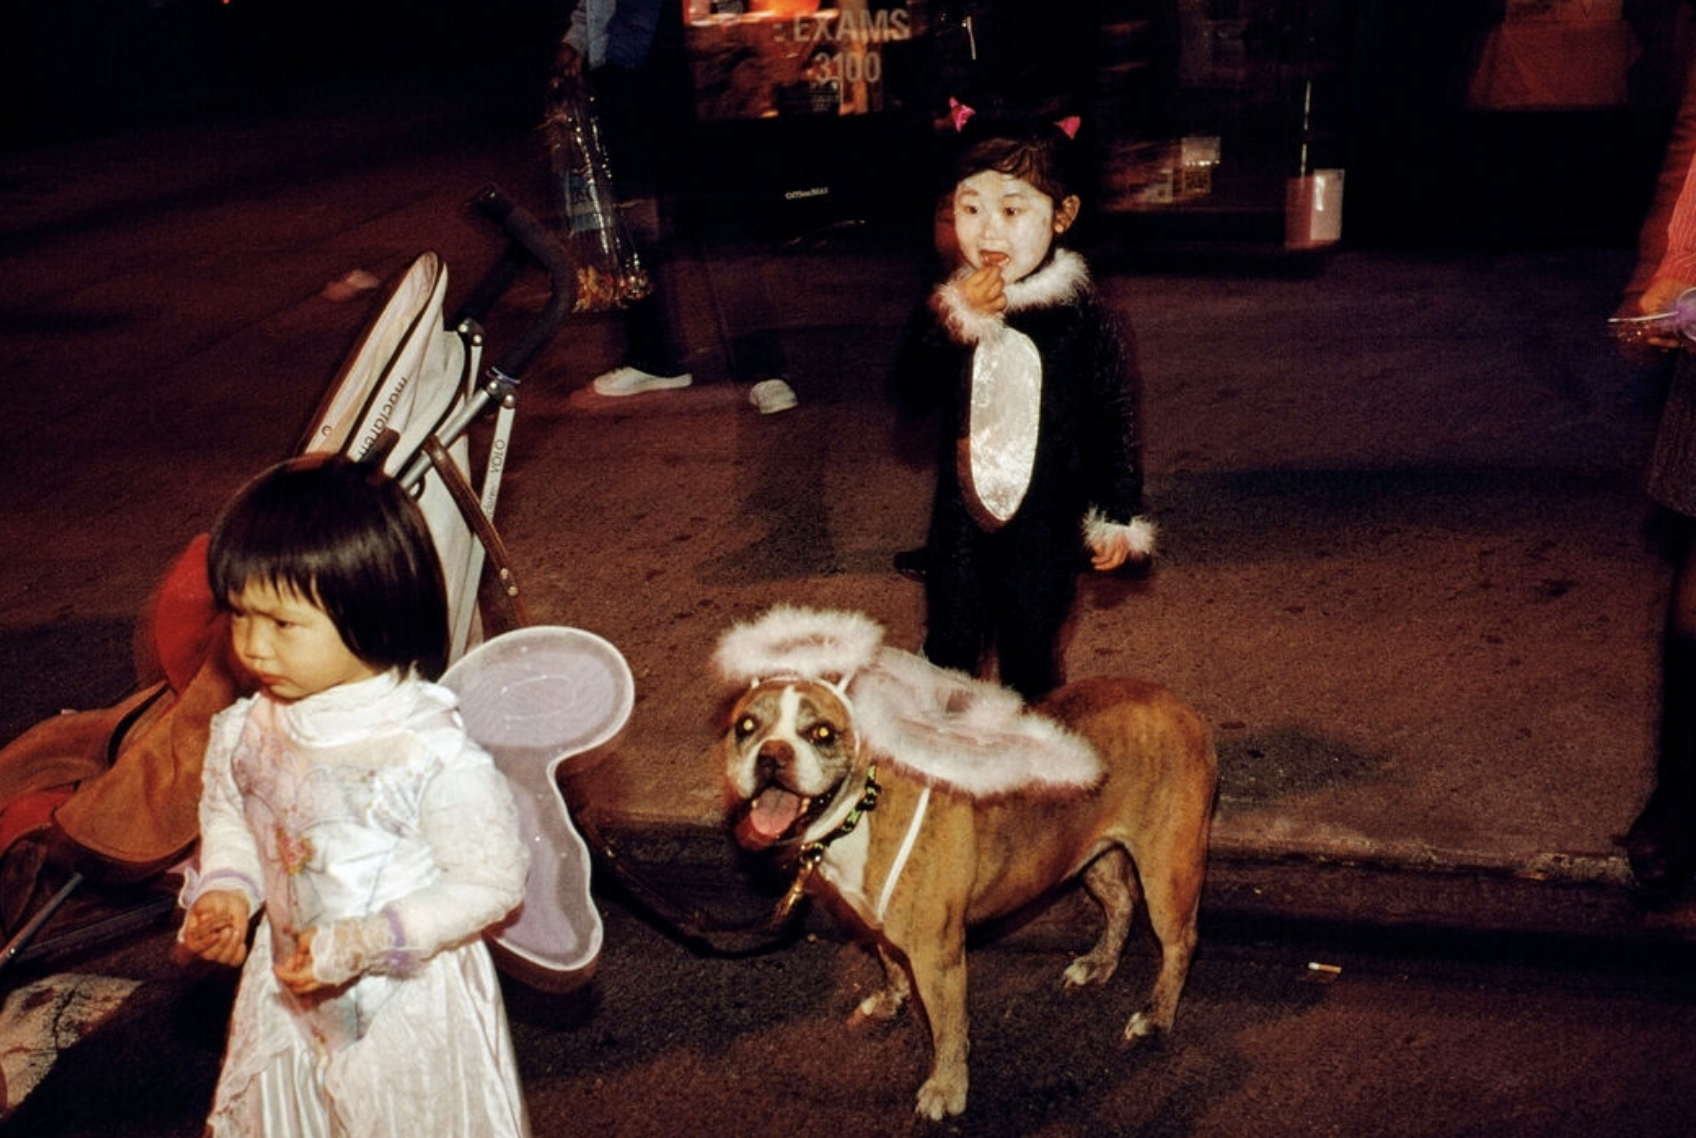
[1039, 470]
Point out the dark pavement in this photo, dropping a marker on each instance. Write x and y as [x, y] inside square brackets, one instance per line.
[1408, 575]
[1426, 1038]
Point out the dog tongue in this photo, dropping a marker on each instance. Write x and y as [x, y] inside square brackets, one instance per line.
[770, 816]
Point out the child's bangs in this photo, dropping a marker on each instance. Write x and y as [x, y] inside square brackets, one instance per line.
[282, 551]
[1034, 161]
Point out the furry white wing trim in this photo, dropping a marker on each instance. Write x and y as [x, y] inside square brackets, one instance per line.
[1138, 534]
[788, 640]
[963, 734]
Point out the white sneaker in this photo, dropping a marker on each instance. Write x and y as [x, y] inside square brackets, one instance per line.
[769, 396]
[631, 381]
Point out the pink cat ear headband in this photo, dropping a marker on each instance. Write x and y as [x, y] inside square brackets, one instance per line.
[959, 113]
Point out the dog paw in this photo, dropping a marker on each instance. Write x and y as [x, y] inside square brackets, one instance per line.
[877, 1008]
[1142, 1026]
[939, 1098]
[1085, 971]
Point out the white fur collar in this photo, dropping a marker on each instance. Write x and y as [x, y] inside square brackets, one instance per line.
[1063, 279]
[1138, 535]
[938, 725]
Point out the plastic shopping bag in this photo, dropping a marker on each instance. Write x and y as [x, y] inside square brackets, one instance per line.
[609, 273]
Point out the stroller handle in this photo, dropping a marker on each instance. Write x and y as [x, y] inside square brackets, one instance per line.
[528, 241]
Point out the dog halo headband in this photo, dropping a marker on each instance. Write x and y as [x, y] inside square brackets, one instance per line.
[788, 642]
[944, 727]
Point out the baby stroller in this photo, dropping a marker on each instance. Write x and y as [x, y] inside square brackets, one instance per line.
[111, 796]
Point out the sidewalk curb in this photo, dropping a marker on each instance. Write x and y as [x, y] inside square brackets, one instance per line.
[1419, 892]
[1561, 866]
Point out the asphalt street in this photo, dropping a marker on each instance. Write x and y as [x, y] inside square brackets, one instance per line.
[1286, 1028]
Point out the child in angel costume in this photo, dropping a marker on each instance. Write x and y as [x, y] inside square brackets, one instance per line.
[1039, 471]
[346, 802]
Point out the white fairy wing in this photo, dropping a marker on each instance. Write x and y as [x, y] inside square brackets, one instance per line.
[542, 700]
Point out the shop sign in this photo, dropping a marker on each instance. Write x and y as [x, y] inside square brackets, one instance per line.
[791, 59]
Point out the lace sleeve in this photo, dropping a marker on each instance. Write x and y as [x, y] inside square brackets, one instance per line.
[471, 824]
[345, 949]
[227, 857]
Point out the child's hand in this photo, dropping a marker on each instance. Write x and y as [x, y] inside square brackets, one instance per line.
[295, 973]
[1114, 553]
[216, 927]
[1660, 296]
[983, 288]
[568, 60]
[1114, 545]
[1109, 559]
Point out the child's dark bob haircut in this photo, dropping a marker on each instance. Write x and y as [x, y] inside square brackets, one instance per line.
[1032, 149]
[352, 541]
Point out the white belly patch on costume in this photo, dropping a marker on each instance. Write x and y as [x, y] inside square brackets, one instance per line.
[1006, 408]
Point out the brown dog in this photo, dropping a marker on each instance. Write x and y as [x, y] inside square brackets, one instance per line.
[917, 860]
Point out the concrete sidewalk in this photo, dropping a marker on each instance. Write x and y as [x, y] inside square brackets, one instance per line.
[1407, 571]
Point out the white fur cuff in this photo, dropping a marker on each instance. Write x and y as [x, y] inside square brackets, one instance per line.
[1137, 535]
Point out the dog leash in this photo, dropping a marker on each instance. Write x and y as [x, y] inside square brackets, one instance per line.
[695, 924]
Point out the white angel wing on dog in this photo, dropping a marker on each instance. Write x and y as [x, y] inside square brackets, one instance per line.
[972, 737]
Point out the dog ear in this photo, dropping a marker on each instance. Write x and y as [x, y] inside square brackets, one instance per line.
[725, 716]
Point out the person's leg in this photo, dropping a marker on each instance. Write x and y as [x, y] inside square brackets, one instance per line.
[956, 596]
[747, 326]
[1032, 610]
[755, 352]
[650, 346]
[1661, 844]
[651, 342]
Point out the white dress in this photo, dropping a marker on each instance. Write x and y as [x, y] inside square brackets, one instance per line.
[366, 813]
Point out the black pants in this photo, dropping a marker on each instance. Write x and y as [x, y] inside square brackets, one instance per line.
[632, 132]
[1008, 593]
[743, 311]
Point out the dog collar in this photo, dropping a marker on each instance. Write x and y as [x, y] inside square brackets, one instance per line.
[813, 852]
